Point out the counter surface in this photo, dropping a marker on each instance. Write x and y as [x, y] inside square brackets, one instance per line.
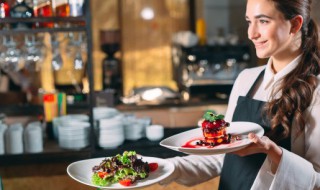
[54, 161]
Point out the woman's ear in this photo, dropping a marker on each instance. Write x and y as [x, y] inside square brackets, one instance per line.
[296, 24]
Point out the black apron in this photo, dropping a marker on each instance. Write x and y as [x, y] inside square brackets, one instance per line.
[239, 173]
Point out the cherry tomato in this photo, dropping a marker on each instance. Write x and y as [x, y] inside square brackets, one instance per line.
[153, 166]
[125, 182]
[102, 174]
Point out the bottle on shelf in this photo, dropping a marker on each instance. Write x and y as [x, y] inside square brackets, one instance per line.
[21, 10]
[50, 112]
[76, 10]
[43, 8]
[61, 8]
[76, 7]
[201, 31]
[4, 11]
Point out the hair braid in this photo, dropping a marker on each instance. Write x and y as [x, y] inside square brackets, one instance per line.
[298, 87]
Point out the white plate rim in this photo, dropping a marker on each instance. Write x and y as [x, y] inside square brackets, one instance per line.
[215, 150]
[164, 166]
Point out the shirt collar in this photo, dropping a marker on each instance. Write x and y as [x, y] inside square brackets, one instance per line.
[270, 77]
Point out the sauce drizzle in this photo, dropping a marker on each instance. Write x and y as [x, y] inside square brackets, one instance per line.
[200, 142]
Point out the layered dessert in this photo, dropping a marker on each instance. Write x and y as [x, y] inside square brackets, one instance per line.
[214, 129]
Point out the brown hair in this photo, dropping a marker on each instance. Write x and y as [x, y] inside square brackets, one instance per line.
[297, 87]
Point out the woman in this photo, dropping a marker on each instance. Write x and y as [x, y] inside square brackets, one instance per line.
[283, 97]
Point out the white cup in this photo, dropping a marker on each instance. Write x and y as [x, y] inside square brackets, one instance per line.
[33, 138]
[14, 139]
[155, 132]
[134, 131]
[3, 128]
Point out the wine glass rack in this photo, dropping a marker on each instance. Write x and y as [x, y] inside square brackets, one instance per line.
[52, 153]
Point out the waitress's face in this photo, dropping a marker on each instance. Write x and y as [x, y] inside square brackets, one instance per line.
[268, 29]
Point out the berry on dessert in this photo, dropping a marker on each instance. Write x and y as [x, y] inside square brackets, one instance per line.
[214, 129]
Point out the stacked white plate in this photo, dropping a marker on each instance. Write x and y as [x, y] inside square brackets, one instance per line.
[110, 132]
[3, 128]
[62, 120]
[74, 134]
[135, 128]
[104, 112]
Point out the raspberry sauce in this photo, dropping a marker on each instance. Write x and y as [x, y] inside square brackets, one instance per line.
[200, 142]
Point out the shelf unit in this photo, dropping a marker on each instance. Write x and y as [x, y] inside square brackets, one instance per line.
[44, 19]
[52, 152]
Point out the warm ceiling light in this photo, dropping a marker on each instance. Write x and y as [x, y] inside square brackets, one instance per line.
[147, 13]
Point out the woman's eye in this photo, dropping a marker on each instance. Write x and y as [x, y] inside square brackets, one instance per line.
[248, 22]
[263, 21]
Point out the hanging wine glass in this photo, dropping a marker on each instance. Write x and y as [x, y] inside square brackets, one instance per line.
[56, 61]
[12, 59]
[2, 51]
[34, 52]
[76, 47]
[78, 62]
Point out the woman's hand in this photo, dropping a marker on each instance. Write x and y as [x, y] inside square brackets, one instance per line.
[263, 145]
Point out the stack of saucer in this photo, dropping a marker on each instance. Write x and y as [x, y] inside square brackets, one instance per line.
[14, 139]
[74, 134]
[104, 112]
[135, 128]
[3, 128]
[62, 120]
[33, 142]
[110, 132]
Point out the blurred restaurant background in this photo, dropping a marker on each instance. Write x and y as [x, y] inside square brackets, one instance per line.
[72, 69]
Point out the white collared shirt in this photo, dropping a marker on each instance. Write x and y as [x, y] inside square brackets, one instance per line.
[298, 168]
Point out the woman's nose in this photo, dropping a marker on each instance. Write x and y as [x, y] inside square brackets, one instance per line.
[253, 32]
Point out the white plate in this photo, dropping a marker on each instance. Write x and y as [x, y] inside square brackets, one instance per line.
[81, 171]
[176, 142]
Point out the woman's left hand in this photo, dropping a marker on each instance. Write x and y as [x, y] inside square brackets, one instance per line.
[262, 145]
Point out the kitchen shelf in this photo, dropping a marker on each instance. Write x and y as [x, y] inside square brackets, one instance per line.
[52, 153]
[73, 28]
[203, 82]
[54, 160]
[42, 30]
[44, 19]
[34, 110]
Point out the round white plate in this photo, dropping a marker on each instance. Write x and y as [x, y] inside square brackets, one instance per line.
[81, 171]
[176, 142]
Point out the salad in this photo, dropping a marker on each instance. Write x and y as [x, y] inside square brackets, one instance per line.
[125, 169]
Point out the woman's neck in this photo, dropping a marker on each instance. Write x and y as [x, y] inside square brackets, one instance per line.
[280, 62]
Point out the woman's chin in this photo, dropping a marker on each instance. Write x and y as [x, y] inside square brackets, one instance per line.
[261, 55]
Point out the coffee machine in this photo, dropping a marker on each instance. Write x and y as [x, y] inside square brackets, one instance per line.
[208, 71]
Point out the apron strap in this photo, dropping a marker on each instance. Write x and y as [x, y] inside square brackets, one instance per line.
[253, 87]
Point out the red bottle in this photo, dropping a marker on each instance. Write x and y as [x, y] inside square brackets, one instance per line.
[43, 8]
[61, 8]
[4, 11]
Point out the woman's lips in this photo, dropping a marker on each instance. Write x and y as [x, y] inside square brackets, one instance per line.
[259, 44]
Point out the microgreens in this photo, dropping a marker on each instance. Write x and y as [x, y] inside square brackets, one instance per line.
[211, 116]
